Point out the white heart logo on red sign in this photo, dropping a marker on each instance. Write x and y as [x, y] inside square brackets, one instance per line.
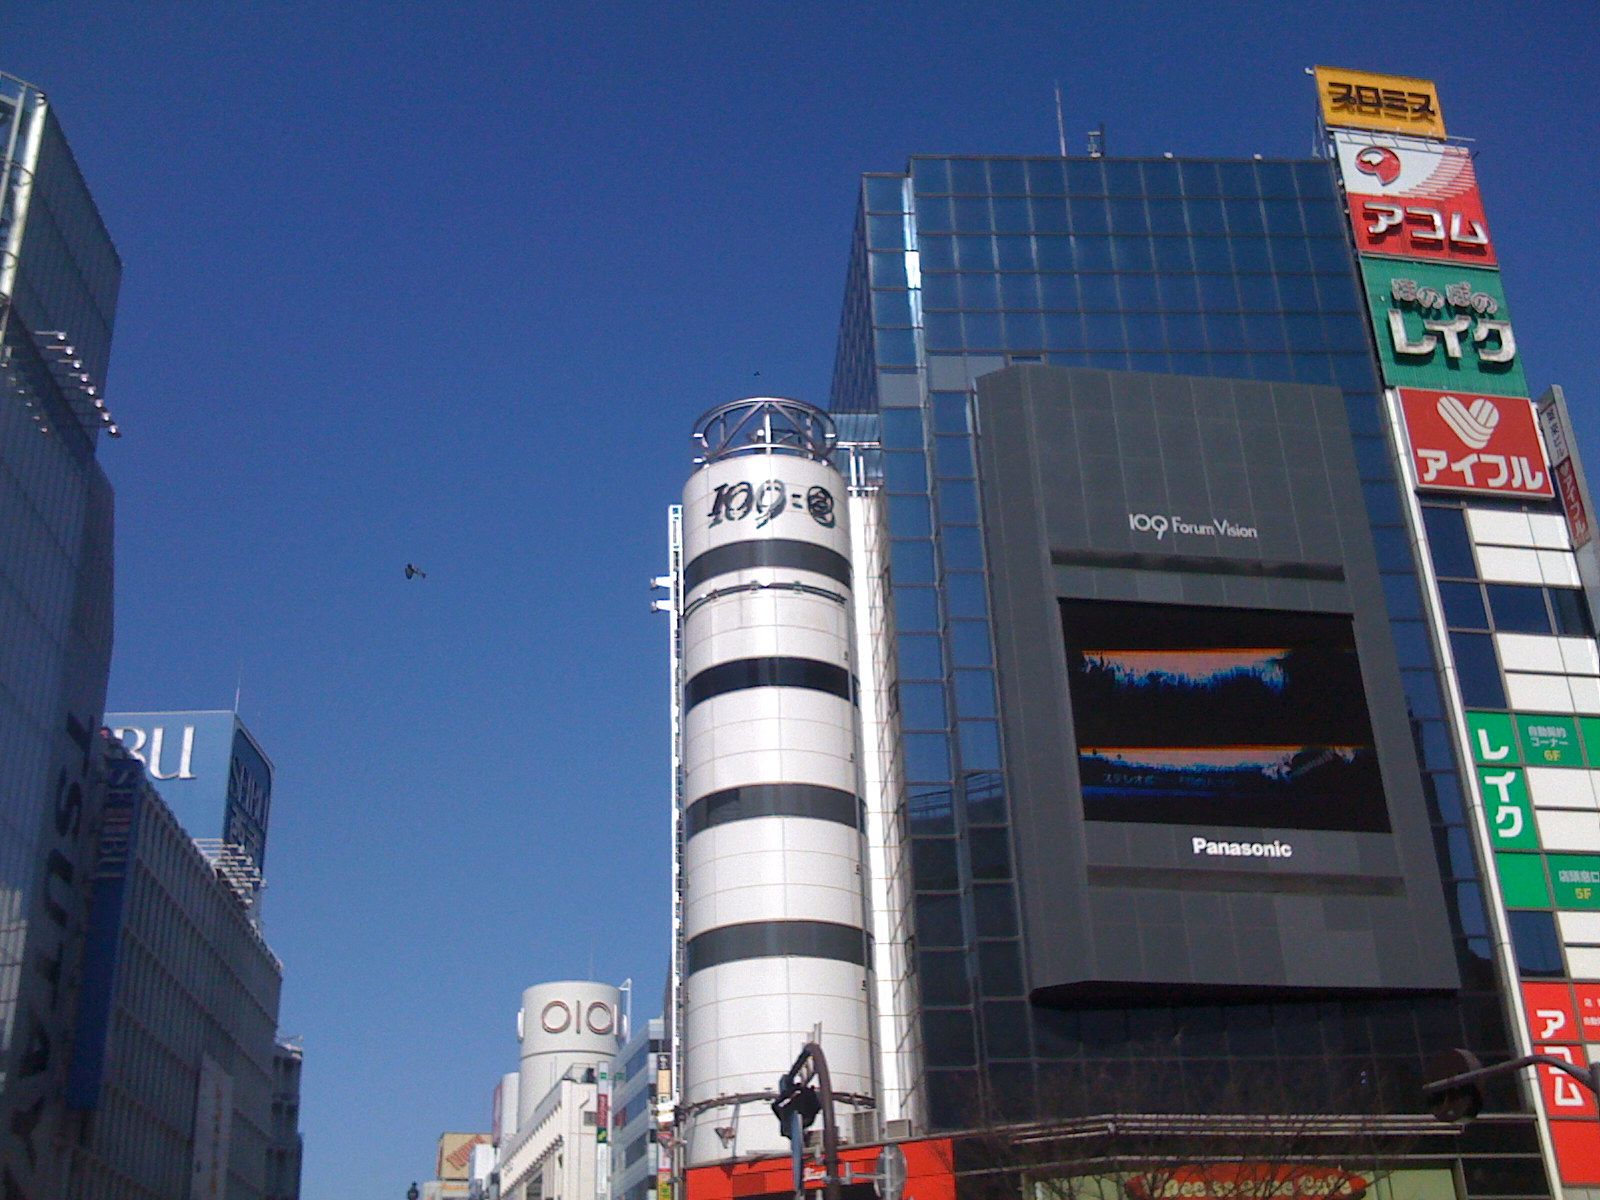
[1474, 425]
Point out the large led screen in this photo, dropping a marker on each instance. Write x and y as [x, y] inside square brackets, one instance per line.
[1221, 716]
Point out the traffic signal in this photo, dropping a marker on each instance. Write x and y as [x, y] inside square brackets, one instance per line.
[795, 1100]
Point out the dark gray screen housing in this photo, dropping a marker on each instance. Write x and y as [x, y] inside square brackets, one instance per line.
[1235, 806]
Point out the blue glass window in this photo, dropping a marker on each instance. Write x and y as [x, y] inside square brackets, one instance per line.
[931, 174]
[1478, 670]
[980, 291]
[1572, 613]
[950, 412]
[1211, 254]
[1088, 214]
[911, 561]
[1011, 215]
[888, 269]
[1102, 331]
[891, 308]
[902, 428]
[963, 548]
[1447, 538]
[1014, 253]
[971, 215]
[1045, 176]
[897, 347]
[1518, 609]
[1092, 253]
[909, 517]
[1244, 215]
[922, 706]
[916, 610]
[982, 331]
[938, 253]
[935, 214]
[1024, 331]
[942, 330]
[958, 502]
[1168, 216]
[1199, 178]
[1535, 944]
[1133, 254]
[1463, 606]
[980, 746]
[1019, 291]
[904, 472]
[1128, 216]
[1138, 291]
[886, 233]
[968, 176]
[1283, 217]
[884, 195]
[1007, 176]
[1054, 253]
[1173, 254]
[1050, 214]
[966, 596]
[974, 253]
[941, 291]
[917, 655]
[1063, 331]
[974, 694]
[1099, 292]
[927, 756]
[969, 644]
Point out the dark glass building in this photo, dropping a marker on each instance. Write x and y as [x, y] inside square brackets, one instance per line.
[1135, 271]
[59, 274]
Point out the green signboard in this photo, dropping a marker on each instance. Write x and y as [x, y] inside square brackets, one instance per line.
[1505, 800]
[1522, 881]
[1589, 727]
[1549, 741]
[1576, 878]
[1494, 739]
[1443, 327]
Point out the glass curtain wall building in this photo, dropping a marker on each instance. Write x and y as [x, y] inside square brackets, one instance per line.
[59, 276]
[1232, 269]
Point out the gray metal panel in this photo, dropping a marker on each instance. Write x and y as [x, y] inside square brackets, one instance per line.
[1065, 457]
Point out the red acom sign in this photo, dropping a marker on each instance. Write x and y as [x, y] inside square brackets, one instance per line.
[1466, 443]
[1413, 198]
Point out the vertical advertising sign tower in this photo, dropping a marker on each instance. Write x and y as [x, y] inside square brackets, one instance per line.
[773, 865]
[1504, 592]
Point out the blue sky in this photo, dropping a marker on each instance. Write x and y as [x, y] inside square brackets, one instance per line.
[447, 284]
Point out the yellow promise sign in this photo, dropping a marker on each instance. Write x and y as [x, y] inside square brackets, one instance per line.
[1393, 103]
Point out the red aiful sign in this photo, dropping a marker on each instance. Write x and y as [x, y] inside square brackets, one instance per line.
[1461, 442]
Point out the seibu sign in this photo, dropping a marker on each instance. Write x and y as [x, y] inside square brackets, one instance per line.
[1413, 198]
[1466, 443]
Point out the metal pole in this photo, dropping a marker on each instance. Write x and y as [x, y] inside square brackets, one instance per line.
[830, 1123]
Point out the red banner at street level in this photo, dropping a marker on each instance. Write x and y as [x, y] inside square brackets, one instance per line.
[1461, 442]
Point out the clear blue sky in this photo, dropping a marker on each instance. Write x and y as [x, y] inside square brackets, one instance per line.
[447, 284]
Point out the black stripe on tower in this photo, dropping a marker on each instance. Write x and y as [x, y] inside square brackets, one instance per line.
[766, 552]
[774, 800]
[778, 939]
[741, 673]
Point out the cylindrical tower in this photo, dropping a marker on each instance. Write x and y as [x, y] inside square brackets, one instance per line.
[774, 855]
[574, 1023]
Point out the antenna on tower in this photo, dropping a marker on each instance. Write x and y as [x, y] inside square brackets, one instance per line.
[1061, 126]
[1097, 141]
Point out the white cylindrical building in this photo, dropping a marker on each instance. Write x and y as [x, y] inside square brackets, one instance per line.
[574, 1023]
[775, 921]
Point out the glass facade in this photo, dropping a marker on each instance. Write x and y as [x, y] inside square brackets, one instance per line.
[58, 270]
[1240, 269]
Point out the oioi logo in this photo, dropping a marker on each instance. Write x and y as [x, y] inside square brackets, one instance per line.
[1145, 523]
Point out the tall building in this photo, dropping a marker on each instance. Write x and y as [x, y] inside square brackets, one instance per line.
[1224, 715]
[285, 1153]
[59, 275]
[551, 1135]
[637, 1083]
[174, 1077]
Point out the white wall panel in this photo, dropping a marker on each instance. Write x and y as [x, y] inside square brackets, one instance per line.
[1549, 531]
[1562, 829]
[1558, 568]
[1556, 787]
[1579, 928]
[1579, 656]
[1491, 528]
[1539, 693]
[1585, 691]
[1583, 962]
[1530, 652]
[1497, 564]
